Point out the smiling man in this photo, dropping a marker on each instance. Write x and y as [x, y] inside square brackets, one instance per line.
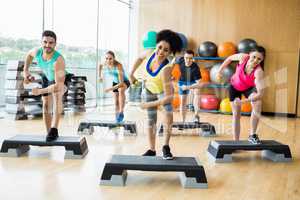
[54, 78]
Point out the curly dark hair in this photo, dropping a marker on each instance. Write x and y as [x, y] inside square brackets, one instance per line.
[170, 37]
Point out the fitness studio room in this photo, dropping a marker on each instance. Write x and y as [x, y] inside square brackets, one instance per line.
[150, 99]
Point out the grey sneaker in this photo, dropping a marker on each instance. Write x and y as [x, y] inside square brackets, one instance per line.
[254, 139]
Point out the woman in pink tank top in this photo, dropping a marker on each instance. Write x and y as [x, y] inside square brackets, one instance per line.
[247, 80]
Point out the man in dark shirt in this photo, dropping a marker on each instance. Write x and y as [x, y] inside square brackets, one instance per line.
[189, 79]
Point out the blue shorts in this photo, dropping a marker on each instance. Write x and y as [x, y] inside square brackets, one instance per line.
[181, 83]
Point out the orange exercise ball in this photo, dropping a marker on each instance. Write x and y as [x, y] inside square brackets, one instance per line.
[176, 88]
[205, 76]
[176, 72]
[226, 49]
[176, 101]
[246, 107]
[225, 106]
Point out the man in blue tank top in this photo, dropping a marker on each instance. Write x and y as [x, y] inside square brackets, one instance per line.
[53, 87]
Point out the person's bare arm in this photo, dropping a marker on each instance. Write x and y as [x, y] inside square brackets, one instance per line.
[100, 72]
[196, 85]
[28, 61]
[58, 86]
[259, 84]
[236, 57]
[136, 64]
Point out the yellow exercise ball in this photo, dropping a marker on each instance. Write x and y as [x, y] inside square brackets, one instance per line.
[225, 106]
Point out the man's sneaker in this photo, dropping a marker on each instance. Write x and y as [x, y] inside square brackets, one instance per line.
[167, 155]
[52, 135]
[254, 139]
[191, 107]
[196, 119]
[149, 153]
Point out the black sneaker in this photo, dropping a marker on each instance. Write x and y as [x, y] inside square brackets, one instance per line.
[167, 155]
[52, 135]
[254, 139]
[149, 153]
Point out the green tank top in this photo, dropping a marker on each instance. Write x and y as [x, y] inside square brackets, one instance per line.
[47, 66]
[114, 73]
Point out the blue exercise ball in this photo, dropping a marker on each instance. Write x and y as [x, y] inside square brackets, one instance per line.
[184, 40]
[208, 49]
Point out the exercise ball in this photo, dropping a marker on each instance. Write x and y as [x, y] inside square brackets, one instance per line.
[226, 73]
[207, 49]
[226, 49]
[225, 106]
[176, 101]
[246, 107]
[149, 40]
[176, 72]
[209, 102]
[204, 75]
[184, 40]
[246, 45]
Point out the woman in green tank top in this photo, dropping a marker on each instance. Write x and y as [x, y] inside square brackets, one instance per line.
[114, 69]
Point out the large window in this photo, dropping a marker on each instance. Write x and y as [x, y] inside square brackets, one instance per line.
[113, 35]
[20, 31]
[85, 31]
[75, 24]
[20, 28]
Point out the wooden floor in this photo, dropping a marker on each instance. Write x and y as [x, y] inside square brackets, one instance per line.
[44, 174]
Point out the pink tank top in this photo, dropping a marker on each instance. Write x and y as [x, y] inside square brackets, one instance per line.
[242, 81]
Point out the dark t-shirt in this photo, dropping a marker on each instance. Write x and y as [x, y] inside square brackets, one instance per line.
[188, 74]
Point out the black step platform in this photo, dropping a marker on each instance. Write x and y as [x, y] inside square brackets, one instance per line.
[221, 151]
[87, 127]
[192, 173]
[76, 147]
[207, 129]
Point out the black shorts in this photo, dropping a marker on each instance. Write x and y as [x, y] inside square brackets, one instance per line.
[234, 93]
[46, 82]
[126, 82]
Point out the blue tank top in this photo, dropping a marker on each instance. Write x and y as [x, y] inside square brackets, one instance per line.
[47, 66]
[114, 73]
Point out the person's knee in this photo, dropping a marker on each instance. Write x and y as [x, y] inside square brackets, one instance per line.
[122, 90]
[236, 111]
[47, 109]
[256, 108]
[197, 92]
